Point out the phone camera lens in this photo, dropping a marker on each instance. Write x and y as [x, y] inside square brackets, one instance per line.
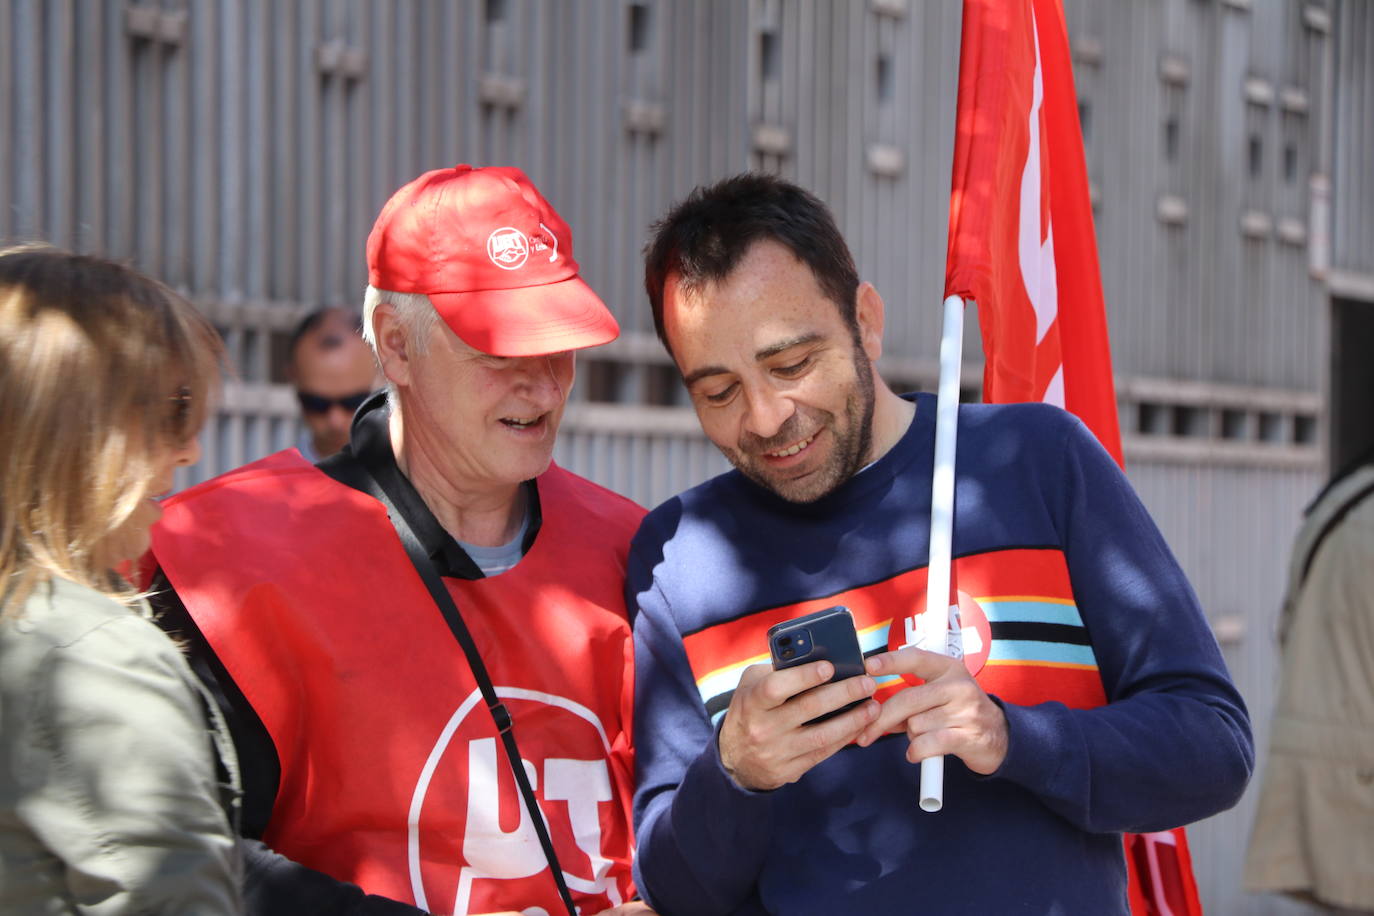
[788, 653]
[785, 641]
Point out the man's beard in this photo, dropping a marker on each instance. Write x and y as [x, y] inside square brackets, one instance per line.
[849, 448]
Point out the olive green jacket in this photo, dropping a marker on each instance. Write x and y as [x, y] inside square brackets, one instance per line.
[110, 800]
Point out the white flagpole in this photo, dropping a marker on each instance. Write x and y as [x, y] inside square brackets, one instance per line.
[939, 614]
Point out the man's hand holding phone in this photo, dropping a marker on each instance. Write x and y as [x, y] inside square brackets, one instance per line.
[766, 742]
[948, 714]
[771, 735]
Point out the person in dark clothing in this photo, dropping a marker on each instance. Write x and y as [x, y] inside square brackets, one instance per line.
[1091, 698]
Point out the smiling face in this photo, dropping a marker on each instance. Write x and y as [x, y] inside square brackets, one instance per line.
[487, 421]
[780, 383]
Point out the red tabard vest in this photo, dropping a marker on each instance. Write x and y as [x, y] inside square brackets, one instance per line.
[392, 774]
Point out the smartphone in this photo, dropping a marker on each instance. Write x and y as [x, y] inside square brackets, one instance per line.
[827, 635]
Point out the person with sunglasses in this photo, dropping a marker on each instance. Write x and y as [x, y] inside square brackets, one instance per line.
[333, 372]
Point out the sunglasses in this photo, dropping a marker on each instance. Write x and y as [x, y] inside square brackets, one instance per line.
[314, 403]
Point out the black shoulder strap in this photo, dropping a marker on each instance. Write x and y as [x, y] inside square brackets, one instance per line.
[349, 470]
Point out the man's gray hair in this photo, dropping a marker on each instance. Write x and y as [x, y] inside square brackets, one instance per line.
[416, 315]
[415, 311]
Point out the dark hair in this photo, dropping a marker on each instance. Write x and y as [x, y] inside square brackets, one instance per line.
[703, 238]
[316, 318]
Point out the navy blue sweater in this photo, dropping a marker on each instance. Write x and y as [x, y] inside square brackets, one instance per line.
[1082, 597]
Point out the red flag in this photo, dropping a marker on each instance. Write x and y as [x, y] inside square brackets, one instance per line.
[1021, 245]
[1161, 873]
[1021, 240]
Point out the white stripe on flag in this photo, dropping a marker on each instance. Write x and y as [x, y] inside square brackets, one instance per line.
[1054, 392]
[1037, 258]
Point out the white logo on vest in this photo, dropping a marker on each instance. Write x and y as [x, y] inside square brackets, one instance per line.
[578, 785]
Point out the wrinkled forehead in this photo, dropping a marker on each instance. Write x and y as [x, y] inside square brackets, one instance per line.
[328, 340]
[339, 373]
[770, 298]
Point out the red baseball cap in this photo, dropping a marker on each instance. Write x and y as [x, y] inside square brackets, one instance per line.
[493, 257]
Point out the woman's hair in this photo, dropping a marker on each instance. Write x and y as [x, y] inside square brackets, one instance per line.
[101, 370]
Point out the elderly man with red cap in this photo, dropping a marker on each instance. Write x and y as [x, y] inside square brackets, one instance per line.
[420, 644]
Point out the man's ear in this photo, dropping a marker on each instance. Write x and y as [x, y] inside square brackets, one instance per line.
[869, 314]
[393, 344]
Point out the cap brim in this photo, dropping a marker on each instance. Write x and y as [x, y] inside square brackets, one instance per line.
[529, 321]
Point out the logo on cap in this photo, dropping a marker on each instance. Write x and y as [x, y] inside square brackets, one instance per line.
[541, 245]
[508, 248]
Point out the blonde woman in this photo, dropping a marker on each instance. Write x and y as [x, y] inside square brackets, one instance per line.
[113, 787]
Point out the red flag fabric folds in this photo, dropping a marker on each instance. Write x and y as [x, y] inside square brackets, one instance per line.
[1021, 245]
[1021, 240]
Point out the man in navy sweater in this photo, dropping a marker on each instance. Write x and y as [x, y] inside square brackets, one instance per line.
[1092, 699]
